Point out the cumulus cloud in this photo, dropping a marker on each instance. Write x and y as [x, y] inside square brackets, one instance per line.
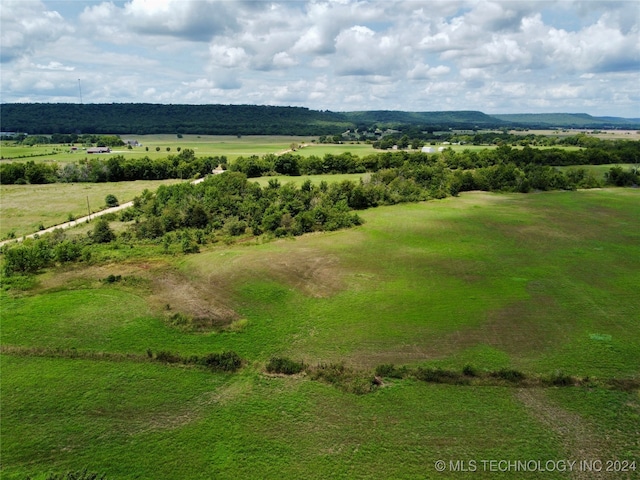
[198, 20]
[348, 54]
[26, 26]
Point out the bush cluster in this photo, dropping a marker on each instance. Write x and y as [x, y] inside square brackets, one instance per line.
[79, 475]
[228, 361]
[345, 378]
[284, 365]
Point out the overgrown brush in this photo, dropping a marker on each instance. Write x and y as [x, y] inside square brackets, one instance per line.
[347, 379]
[438, 375]
[284, 365]
[80, 475]
[228, 361]
[508, 374]
[389, 370]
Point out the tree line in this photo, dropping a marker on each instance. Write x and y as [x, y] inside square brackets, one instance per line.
[115, 168]
[295, 164]
[186, 165]
[184, 216]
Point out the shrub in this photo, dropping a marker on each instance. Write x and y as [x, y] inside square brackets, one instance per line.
[80, 475]
[102, 232]
[111, 201]
[469, 371]
[560, 379]
[390, 370]
[509, 375]
[226, 361]
[67, 251]
[284, 365]
[332, 372]
[168, 357]
[437, 375]
[345, 378]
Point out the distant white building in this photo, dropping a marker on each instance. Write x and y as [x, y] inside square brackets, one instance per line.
[442, 149]
[428, 150]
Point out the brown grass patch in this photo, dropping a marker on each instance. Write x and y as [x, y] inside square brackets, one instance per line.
[206, 303]
[311, 271]
[167, 291]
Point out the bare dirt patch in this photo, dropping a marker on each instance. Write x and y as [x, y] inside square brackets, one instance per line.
[204, 303]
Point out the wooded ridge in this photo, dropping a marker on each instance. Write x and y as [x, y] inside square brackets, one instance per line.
[145, 118]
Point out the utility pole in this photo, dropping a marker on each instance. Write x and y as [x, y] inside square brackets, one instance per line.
[88, 209]
[80, 90]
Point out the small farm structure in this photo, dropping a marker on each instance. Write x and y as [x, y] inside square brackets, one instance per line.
[99, 150]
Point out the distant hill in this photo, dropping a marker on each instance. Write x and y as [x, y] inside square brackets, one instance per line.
[567, 120]
[143, 118]
[448, 119]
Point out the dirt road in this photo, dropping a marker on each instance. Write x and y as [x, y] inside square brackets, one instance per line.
[84, 219]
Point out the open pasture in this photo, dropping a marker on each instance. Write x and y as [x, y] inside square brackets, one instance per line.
[603, 134]
[599, 171]
[541, 283]
[515, 278]
[24, 208]
[231, 147]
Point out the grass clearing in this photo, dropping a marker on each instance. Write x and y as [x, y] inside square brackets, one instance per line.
[599, 171]
[539, 283]
[25, 207]
[150, 421]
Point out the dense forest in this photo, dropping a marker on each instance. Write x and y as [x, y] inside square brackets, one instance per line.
[141, 118]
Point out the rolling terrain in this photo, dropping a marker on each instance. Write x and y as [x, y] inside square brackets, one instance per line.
[541, 284]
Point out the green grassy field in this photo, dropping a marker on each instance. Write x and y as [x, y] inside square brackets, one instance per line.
[599, 171]
[540, 283]
[23, 208]
[203, 145]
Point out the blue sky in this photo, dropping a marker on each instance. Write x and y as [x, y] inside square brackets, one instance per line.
[494, 56]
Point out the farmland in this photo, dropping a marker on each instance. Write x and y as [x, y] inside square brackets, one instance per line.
[229, 146]
[203, 145]
[24, 208]
[542, 283]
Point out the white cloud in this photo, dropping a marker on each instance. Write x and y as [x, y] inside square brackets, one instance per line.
[423, 71]
[55, 66]
[352, 54]
[27, 26]
[228, 56]
[283, 60]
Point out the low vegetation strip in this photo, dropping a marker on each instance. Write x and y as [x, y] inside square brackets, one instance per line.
[227, 361]
[338, 374]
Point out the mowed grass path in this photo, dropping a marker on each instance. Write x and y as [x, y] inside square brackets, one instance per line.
[538, 282]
